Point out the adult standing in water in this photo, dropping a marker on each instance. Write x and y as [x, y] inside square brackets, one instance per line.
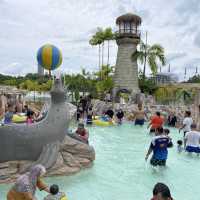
[83, 103]
[172, 120]
[140, 115]
[158, 146]
[120, 116]
[26, 184]
[187, 122]
[156, 122]
[192, 140]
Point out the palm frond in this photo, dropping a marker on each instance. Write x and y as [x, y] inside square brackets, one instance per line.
[138, 56]
[151, 59]
[157, 48]
[162, 59]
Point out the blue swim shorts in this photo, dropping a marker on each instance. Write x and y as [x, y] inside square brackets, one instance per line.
[139, 122]
[192, 149]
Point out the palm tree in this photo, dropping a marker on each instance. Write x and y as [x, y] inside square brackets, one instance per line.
[98, 39]
[108, 35]
[184, 95]
[150, 54]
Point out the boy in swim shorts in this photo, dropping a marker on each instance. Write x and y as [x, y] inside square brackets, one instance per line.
[158, 146]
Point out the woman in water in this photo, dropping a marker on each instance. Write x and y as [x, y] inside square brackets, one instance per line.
[26, 184]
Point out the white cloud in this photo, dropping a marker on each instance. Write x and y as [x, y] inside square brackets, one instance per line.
[26, 25]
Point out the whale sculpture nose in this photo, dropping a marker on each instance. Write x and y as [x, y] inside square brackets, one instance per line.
[57, 92]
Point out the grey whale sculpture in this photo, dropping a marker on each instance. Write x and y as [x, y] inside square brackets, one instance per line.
[26, 142]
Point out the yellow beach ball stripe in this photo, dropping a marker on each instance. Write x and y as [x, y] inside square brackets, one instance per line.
[47, 56]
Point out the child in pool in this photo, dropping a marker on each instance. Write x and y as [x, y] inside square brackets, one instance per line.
[30, 117]
[55, 194]
[167, 132]
[180, 146]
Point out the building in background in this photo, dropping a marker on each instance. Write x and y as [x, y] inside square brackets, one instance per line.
[40, 70]
[165, 78]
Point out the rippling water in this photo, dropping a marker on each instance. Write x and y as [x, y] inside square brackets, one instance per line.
[120, 172]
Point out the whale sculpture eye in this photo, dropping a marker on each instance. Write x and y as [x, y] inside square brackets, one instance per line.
[58, 110]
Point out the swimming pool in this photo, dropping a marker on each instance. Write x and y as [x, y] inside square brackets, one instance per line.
[120, 172]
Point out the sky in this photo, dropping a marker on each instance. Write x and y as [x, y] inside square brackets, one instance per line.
[69, 24]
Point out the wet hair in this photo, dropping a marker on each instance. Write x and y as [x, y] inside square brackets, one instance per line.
[158, 113]
[9, 106]
[179, 142]
[161, 188]
[160, 130]
[30, 113]
[54, 189]
[166, 131]
[193, 126]
[81, 125]
[188, 113]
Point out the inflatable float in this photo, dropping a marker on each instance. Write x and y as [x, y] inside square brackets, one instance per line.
[99, 122]
[19, 119]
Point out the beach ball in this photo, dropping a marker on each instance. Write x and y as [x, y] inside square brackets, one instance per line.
[49, 57]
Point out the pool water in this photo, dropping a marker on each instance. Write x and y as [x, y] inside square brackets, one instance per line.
[120, 171]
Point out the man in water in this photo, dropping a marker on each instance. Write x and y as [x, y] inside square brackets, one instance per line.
[120, 115]
[83, 103]
[172, 120]
[156, 122]
[158, 146]
[192, 140]
[139, 116]
[187, 122]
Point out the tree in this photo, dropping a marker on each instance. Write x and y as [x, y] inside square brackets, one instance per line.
[194, 79]
[108, 35]
[165, 94]
[151, 55]
[98, 39]
[184, 95]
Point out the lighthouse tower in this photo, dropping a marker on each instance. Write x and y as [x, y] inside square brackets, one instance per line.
[126, 71]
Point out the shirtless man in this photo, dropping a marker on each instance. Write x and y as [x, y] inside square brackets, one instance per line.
[139, 116]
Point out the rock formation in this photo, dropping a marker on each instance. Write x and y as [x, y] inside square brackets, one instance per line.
[72, 157]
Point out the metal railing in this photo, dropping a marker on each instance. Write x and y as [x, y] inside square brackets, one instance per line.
[130, 32]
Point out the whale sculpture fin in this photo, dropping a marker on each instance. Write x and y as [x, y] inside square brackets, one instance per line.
[48, 156]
